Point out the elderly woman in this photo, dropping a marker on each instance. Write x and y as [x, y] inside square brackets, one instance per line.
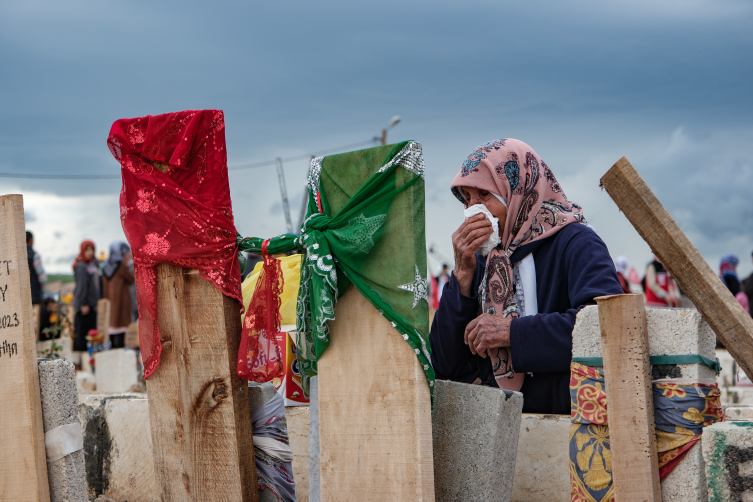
[506, 320]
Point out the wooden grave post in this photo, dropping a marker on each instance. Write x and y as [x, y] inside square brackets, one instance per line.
[36, 318]
[374, 411]
[727, 318]
[23, 463]
[103, 318]
[131, 339]
[198, 405]
[627, 375]
[374, 400]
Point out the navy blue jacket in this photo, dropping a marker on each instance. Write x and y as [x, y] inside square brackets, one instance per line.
[572, 268]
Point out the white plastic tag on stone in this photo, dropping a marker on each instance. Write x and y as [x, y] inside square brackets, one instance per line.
[493, 240]
[63, 440]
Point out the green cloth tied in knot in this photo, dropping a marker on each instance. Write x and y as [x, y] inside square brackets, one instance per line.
[365, 225]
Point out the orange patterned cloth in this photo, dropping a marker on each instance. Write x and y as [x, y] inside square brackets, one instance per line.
[681, 410]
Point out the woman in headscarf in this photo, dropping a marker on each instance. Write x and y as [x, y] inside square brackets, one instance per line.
[623, 265]
[506, 320]
[117, 278]
[728, 272]
[86, 294]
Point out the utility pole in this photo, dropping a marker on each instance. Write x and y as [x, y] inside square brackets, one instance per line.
[284, 194]
[393, 122]
[305, 198]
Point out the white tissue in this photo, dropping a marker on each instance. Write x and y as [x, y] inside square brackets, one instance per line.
[493, 240]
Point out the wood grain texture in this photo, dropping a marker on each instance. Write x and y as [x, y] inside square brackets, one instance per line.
[198, 406]
[103, 318]
[727, 318]
[374, 411]
[627, 375]
[23, 463]
[131, 339]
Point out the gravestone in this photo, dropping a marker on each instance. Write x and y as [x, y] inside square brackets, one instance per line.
[23, 463]
[475, 434]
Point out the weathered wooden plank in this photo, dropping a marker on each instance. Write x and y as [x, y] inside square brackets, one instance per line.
[103, 318]
[727, 318]
[627, 375]
[131, 340]
[374, 411]
[198, 406]
[23, 463]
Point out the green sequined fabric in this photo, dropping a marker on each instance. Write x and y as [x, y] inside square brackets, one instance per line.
[370, 232]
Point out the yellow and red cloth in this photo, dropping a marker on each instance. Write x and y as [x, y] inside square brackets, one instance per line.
[681, 411]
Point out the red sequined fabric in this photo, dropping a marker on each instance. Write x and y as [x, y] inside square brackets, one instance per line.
[260, 357]
[175, 206]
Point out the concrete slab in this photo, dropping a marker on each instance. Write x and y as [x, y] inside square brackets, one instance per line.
[118, 446]
[475, 440]
[728, 453]
[57, 382]
[542, 467]
[738, 413]
[259, 394]
[670, 332]
[687, 481]
[739, 395]
[115, 371]
[728, 375]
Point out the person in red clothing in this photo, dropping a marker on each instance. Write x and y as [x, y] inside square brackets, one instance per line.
[623, 266]
[659, 286]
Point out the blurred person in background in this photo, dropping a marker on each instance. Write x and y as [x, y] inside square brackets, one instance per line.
[742, 298]
[47, 317]
[659, 286]
[117, 278]
[748, 288]
[86, 295]
[442, 280]
[36, 271]
[622, 264]
[728, 272]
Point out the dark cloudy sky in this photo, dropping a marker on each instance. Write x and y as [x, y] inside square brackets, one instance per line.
[667, 84]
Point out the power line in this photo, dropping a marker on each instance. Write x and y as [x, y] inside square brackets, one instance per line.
[303, 156]
[238, 167]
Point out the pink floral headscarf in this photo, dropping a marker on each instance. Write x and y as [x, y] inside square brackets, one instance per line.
[536, 209]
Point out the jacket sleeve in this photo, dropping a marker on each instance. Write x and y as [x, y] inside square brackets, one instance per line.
[732, 284]
[450, 356]
[544, 342]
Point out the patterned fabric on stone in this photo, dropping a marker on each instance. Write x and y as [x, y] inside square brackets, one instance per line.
[681, 411]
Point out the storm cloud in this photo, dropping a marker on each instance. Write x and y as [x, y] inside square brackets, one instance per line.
[666, 84]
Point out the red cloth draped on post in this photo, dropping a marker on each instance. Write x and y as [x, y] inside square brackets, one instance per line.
[175, 206]
[260, 357]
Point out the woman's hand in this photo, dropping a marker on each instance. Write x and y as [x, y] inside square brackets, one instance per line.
[85, 309]
[465, 242]
[487, 331]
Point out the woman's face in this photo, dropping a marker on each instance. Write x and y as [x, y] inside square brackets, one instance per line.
[89, 253]
[473, 196]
